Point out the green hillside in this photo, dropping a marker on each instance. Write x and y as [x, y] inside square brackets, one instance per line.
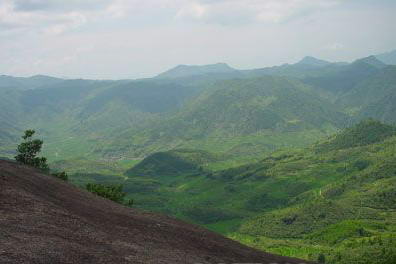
[383, 109]
[294, 202]
[365, 133]
[10, 109]
[175, 162]
[340, 79]
[73, 116]
[363, 89]
[371, 91]
[240, 117]
[344, 219]
[250, 105]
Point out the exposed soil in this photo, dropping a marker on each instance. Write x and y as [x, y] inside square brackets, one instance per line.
[45, 220]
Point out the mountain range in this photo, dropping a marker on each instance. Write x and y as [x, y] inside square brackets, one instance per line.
[214, 108]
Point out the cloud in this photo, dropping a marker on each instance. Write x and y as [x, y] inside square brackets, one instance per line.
[237, 11]
[58, 16]
[47, 16]
[56, 5]
[194, 10]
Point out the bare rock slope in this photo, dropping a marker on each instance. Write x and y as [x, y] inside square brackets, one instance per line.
[44, 220]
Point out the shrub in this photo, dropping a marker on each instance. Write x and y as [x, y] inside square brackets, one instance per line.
[361, 164]
[112, 192]
[61, 175]
[321, 259]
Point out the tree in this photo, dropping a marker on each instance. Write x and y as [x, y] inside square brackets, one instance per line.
[28, 151]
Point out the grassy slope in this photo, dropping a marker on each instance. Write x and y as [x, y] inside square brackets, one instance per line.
[344, 219]
[295, 202]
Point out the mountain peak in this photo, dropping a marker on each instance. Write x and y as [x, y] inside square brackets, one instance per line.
[43, 77]
[219, 65]
[193, 70]
[309, 60]
[388, 57]
[40, 76]
[372, 60]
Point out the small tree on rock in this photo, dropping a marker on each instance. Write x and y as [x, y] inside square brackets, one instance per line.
[28, 151]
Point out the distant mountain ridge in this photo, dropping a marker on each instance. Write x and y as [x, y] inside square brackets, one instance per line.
[371, 60]
[388, 57]
[192, 70]
[309, 60]
[340, 79]
[27, 83]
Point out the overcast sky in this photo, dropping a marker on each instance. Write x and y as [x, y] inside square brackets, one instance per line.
[140, 38]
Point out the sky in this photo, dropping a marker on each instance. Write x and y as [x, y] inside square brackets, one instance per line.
[120, 39]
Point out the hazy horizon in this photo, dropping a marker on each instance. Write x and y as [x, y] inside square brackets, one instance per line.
[120, 39]
[155, 74]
